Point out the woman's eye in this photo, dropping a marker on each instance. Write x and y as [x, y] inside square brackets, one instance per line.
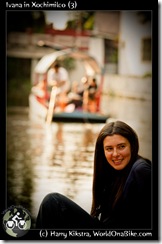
[109, 149]
[121, 146]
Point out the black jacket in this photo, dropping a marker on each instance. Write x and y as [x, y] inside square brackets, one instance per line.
[133, 211]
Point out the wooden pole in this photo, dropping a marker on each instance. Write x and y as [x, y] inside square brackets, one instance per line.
[51, 105]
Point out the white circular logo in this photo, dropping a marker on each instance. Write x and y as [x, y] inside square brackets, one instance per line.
[16, 221]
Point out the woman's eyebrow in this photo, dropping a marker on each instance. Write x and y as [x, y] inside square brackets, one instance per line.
[121, 143]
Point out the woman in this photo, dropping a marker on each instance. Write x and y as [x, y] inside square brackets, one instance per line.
[121, 187]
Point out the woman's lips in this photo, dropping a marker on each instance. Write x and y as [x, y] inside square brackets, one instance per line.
[117, 162]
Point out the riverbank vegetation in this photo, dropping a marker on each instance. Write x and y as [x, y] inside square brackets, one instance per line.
[18, 82]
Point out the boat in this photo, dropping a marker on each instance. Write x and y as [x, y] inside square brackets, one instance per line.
[40, 106]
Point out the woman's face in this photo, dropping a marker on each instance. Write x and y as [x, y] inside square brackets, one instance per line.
[117, 151]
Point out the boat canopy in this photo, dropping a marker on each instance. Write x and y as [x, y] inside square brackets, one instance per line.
[90, 64]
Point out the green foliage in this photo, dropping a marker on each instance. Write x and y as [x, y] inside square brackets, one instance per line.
[18, 92]
[18, 82]
[22, 21]
[82, 19]
[68, 63]
[88, 25]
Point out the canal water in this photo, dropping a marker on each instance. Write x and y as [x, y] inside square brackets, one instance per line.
[59, 157]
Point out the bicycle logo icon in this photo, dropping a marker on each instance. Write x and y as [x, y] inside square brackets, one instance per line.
[16, 221]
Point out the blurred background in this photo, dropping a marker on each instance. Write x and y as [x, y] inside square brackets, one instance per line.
[59, 157]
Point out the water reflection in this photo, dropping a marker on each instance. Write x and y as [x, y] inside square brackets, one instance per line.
[19, 168]
[43, 159]
[65, 164]
[59, 158]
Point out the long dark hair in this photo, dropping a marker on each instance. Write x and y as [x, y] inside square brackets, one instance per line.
[102, 170]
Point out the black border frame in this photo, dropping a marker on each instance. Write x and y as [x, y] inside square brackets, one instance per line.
[100, 5]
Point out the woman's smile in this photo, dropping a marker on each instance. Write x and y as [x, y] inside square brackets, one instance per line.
[119, 161]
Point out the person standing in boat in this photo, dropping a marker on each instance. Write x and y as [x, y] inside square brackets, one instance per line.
[58, 76]
[121, 192]
[92, 91]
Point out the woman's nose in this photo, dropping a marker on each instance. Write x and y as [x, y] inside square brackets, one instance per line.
[115, 152]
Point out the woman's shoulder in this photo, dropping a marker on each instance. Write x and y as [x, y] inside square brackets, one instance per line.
[141, 164]
[139, 175]
[141, 170]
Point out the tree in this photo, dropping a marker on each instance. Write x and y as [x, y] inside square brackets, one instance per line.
[21, 21]
[83, 20]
